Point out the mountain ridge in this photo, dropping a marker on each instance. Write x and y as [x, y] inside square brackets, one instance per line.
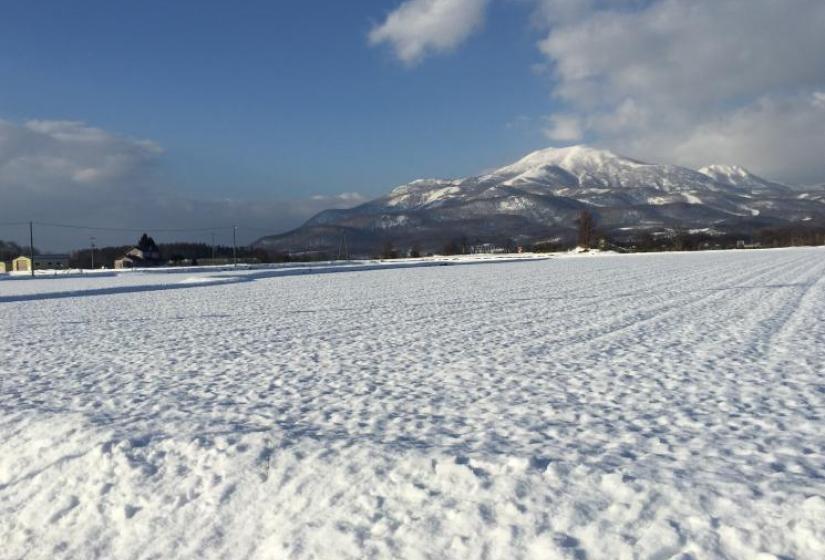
[539, 197]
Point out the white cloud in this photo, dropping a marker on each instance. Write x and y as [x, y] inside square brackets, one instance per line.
[682, 80]
[350, 198]
[689, 52]
[420, 27]
[564, 128]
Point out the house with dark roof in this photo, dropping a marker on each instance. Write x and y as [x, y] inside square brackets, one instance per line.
[144, 254]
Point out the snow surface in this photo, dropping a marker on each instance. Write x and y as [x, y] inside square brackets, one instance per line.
[645, 406]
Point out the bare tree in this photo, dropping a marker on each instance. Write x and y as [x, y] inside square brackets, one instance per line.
[587, 226]
[389, 251]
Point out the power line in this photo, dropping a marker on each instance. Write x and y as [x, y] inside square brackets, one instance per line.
[146, 229]
[131, 230]
[265, 230]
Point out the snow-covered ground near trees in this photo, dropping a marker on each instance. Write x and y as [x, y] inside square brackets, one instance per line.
[645, 406]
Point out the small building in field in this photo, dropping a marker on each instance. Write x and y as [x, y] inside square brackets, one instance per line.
[145, 254]
[4, 267]
[486, 248]
[41, 262]
[139, 258]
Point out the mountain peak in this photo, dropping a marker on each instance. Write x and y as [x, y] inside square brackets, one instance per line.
[570, 154]
[574, 159]
[574, 151]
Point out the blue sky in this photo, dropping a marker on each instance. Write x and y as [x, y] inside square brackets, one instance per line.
[202, 113]
[283, 97]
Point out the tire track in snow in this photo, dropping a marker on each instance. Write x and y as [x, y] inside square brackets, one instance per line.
[645, 317]
[796, 310]
[750, 336]
[593, 301]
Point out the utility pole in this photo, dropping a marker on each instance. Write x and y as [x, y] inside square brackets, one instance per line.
[213, 247]
[343, 249]
[235, 246]
[31, 247]
[93, 252]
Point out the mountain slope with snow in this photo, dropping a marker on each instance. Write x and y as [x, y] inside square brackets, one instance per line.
[739, 177]
[540, 196]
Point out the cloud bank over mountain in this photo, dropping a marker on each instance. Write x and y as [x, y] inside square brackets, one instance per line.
[687, 81]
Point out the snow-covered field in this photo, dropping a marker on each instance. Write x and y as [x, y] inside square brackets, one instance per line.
[649, 406]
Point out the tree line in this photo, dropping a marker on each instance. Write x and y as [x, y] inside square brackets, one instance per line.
[587, 236]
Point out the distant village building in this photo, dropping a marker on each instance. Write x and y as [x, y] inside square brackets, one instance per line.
[3, 267]
[486, 248]
[41, 262]
[145, 254]
[138, 258]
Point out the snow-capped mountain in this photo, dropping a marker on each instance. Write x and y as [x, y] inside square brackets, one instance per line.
[540, 196]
